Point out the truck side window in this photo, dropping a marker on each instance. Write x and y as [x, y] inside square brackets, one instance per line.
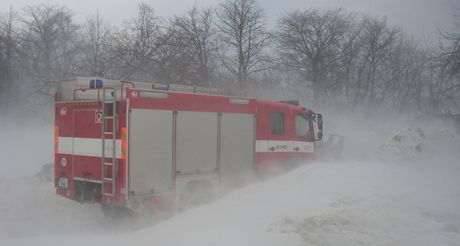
[302, 126]
[277, 123]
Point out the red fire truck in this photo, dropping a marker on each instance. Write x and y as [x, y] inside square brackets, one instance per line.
[162, 148]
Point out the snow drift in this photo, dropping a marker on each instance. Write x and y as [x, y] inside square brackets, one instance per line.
[359, 201]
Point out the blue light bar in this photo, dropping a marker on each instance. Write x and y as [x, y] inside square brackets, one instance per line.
[95, 83]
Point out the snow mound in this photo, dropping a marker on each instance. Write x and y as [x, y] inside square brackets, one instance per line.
[346, 203]
[46, 174]
[415, 143]
[356, 227]
[326, 203]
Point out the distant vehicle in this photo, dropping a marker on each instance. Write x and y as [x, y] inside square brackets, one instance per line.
[164, 148]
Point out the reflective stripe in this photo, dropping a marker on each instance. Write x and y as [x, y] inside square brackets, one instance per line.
[123, 143]
[56, 139]
[284, 146]
[87, 180]
[305, 147]
[273, 146]
[87, 146]
[92, 146]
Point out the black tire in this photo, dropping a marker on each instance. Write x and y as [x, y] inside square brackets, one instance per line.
[292, 163]
[196, 193]
[117, 213]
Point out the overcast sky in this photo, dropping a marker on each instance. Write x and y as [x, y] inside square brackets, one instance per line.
[419, 18]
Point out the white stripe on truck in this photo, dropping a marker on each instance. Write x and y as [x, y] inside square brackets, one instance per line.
[284, 146]
[93, 146]
[88, 147]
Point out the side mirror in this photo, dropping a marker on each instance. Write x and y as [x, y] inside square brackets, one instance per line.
[319, 121]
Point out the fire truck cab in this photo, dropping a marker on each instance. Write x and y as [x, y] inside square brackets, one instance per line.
[167, 147]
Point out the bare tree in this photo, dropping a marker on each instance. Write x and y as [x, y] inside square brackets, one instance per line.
[196, 31]
[243, 33]
[377, 40]
[350, 50]
[173, 61]
[96, 46]
[344, 59]
[50, 43]
[444, 83]
[445, 87]
[442, 88]
[402, 80]
[8, 56]
[310, 41]
[7, 47]
[450, 53]
[138, 44]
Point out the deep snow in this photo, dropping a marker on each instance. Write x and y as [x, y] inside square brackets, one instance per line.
[24, 150]
[359, 201]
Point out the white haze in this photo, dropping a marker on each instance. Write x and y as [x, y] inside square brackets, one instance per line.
[358, 200]
[420, 18]
[25, 149]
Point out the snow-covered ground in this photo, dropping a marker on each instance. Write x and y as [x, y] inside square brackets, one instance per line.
[359, 201]
[24, 150]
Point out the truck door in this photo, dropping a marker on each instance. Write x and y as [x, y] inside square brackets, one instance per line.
[237, 148]
[196, 142]
[86, 145]
[303, 137]
[150, 151]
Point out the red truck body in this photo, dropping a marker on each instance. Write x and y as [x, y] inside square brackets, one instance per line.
[126, 145]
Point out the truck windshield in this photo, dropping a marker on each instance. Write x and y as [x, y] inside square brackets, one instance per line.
[302, 126]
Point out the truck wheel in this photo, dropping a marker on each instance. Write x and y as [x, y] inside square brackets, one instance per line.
[292, 163]
[117, 213]
[194, 194]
